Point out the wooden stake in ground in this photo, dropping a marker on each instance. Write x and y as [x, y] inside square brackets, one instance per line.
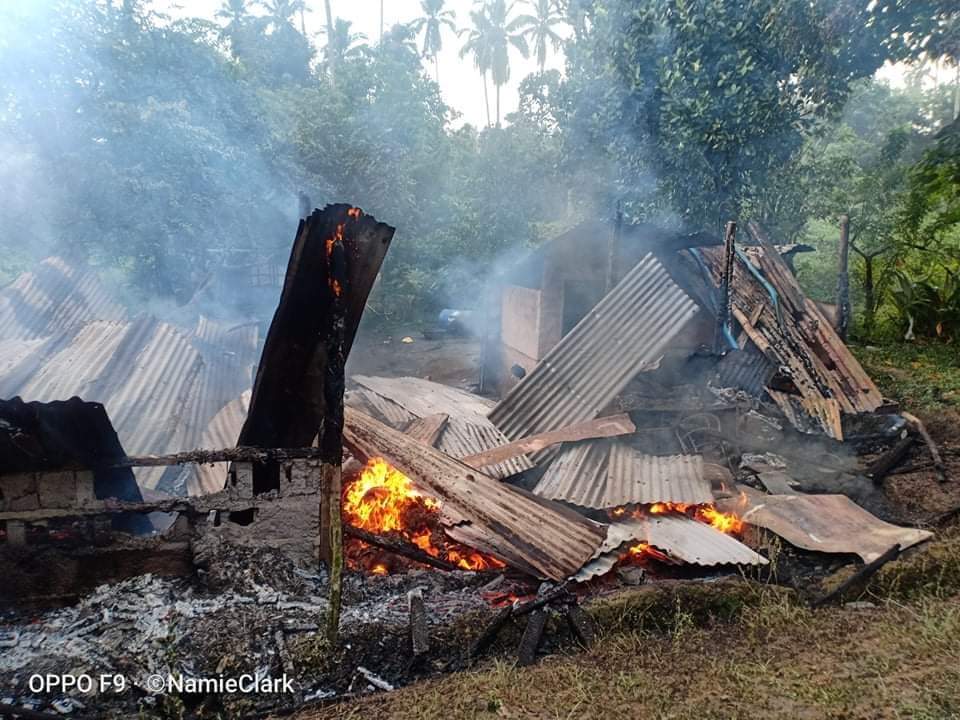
[331, 434]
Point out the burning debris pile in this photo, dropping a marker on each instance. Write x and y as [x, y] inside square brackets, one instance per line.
[652, 424]
[383, 501]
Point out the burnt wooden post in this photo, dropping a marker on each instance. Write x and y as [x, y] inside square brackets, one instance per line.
[723, 311]
[298, 392]
[331, 433]
[843, 280]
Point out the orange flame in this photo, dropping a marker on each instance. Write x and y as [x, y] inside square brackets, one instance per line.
[383, 500]
[728, 523]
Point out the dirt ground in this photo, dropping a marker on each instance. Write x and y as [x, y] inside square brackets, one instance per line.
[450, 360]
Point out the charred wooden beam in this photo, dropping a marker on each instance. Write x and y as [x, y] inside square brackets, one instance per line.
[612, 426]
[411, 552]
[207, 457]
[858, 580]
[419, 632]
[884, 465]
[581, 625]
[532, 635]
[288, 405]
[726, 281]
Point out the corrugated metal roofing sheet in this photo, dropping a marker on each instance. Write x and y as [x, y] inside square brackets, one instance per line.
[52, 298]
[679, 537]
[468, 430]
[222, 432]
[606, 474]
[824, 523]
[747, 369]
[627, 331]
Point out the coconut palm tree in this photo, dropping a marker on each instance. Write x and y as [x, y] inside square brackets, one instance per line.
[343, 44]
[237, 15]
[281, 12]
[497, 33]
[479, 48]
[434, 19]
[539, 28]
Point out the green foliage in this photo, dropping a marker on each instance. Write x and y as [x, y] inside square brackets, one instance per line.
[698, 104]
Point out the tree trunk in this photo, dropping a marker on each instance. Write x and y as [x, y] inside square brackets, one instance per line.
[381, 21]
[329, 12]
[486, 97]
[842, 320]
[869, 301]
[436, 67]
[498, 104]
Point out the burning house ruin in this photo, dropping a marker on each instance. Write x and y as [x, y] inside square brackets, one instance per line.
[663, 400]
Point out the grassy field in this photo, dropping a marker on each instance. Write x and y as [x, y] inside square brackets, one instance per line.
[921, 375]
[734, 649]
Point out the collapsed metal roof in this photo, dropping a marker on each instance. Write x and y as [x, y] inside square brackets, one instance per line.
[52, 298]
[602, 474]
[625, 333]
[791, 331]
[161, 384]
[467, 432]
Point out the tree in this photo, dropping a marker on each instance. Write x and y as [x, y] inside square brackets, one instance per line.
[539, 28]
[343, 44]
[493, 34]
[431, 24]
[477, 46]
[280, 13]
[697, 105]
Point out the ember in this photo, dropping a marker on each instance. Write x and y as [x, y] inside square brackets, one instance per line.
[383, 501]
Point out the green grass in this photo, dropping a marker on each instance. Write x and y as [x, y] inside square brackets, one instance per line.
[920, 375]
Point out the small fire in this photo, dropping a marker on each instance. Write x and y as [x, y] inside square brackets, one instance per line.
[727, 523]
[382, 500]
[724, 522]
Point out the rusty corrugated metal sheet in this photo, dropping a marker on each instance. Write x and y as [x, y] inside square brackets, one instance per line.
[604, 474]
[823, 523]
[627, 331]
[468, 430]
[52, 298]
[683, 539]
[526, 531]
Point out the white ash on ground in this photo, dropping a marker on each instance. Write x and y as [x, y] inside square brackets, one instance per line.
[245, 611]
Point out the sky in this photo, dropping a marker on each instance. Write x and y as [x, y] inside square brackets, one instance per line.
[460, 83]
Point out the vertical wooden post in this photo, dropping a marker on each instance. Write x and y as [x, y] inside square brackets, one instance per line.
[331, 434]
[842, 320]
[723, 311]
[613, 249]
